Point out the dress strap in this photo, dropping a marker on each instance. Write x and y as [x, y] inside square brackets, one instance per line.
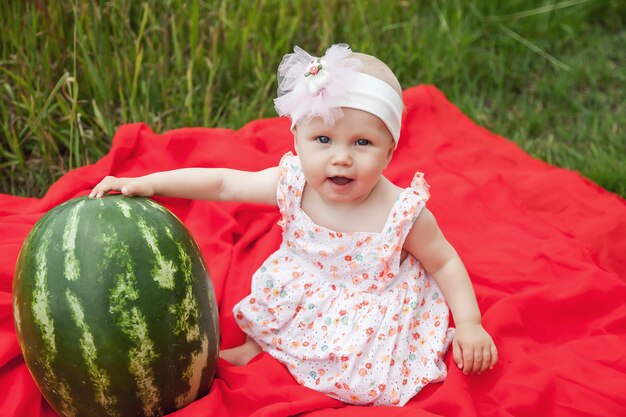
[408, 207]
[290, 185]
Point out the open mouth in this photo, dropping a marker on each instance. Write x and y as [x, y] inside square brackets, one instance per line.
[340, 180]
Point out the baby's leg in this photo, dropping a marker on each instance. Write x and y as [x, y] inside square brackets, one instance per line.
[241, 355]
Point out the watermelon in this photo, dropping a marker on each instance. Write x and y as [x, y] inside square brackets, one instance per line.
[114, 309]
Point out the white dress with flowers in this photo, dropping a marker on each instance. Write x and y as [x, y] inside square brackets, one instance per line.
[341, 310]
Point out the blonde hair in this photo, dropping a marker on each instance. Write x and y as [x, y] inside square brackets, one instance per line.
[378, 69]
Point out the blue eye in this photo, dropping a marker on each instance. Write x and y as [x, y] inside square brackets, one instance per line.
[362, 142]
[323, 139]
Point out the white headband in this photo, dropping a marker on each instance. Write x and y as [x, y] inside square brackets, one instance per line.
[311, 87]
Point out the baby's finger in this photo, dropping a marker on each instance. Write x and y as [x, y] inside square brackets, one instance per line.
[468, 359]
[486, 360]
[494, 356]
[102, 187]
[95, 192]
[478, 360]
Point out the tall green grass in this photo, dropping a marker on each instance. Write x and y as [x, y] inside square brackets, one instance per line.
[547, 74]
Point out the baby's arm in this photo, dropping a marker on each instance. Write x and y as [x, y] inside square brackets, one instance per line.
[473, 348]
[218, 184]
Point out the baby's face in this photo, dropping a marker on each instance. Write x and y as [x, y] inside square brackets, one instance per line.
[343, 163]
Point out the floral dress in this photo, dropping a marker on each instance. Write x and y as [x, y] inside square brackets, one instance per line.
[341, 310]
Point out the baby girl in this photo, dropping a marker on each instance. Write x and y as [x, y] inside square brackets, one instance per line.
[356, 300]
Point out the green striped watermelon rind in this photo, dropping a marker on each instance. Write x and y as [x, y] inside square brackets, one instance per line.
[114, 309]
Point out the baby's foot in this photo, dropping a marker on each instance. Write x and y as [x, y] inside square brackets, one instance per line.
[241, 355]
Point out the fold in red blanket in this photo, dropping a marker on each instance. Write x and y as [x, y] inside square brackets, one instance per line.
[545, 248]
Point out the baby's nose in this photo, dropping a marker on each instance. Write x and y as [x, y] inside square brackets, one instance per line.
[342, 158]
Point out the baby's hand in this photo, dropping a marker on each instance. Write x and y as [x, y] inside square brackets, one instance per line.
[127, 186]
[473, 349]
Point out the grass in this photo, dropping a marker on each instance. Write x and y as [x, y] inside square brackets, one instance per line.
[546, 74]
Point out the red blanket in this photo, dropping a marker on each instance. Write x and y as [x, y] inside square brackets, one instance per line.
[546, 250]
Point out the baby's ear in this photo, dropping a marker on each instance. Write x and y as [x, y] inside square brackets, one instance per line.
[390, 154]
